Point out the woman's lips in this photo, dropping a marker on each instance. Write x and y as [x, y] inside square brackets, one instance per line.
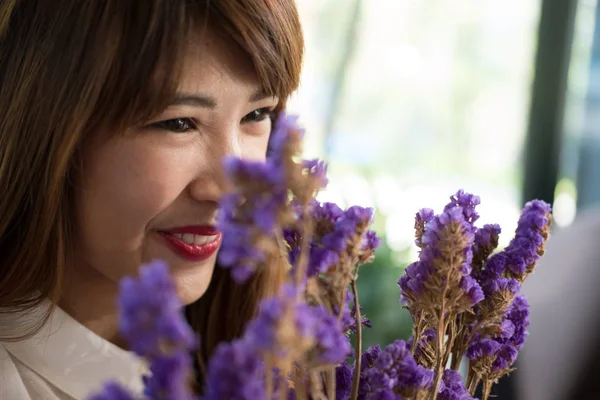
[194, 243]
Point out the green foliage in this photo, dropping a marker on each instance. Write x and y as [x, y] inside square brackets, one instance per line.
[379, 297]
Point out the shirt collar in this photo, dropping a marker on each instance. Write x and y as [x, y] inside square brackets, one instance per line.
[75, 359]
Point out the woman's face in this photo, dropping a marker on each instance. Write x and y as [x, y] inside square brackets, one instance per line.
[153, 193]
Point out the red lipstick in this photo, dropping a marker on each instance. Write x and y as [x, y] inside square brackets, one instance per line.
[194, 243]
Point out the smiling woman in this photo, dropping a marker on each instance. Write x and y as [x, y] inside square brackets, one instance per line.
[116, 116]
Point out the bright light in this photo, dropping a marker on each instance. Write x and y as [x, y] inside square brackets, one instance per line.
[564, 209]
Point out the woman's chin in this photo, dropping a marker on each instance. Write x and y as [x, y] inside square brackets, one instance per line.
[192, 283]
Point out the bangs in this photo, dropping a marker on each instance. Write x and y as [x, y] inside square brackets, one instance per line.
[143, 45]
[269, 32]
[148, 43]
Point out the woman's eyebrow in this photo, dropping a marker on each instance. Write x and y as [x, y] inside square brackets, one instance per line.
[194, 99]
[201, 100]
[259, 95]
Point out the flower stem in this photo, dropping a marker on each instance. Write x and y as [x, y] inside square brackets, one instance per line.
[358, 344]
[450, 344]
[441, 334]
[487, 388]
[472, 381]
[331, 384]
[269, 376]
[303, 259]
[463, 349]
[439, 353]
[457, 354]
[417, 335]
[299, 385]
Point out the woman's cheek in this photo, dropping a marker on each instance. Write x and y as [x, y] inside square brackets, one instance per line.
[255, 147]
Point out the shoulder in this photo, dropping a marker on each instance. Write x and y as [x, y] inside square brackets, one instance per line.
[11, 383]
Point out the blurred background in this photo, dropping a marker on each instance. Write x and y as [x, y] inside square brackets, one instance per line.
[411, 100]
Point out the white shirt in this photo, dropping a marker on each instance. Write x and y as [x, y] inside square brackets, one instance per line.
[64, 361]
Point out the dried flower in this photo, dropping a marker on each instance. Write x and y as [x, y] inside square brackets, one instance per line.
[287, 328]
[343, 381]
[519, 258]
[151, 320]
[235, 371]
[424, 216]
[113, 391]
[486, 241]
[453, 387]
[467, 202]
[249, 217]
[463, 299]
[395, 369]
[491, 357]
[424, 350]
[442, 274]
[151, 316]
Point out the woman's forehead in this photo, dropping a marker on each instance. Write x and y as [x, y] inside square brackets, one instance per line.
[210, 60]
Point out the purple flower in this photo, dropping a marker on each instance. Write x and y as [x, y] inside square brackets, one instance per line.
[113, 391]
[453, 387]
[384, 394]
[467, 202]
[518, 314]
[321, 259]
[368, 358]
[482, 347]
[500, 284]
[280, 136]
[326, 212]
[421, 219]
[263, 174]
[487, 235]
[471, 289]
[427, 339]
[235, 372]
[503, 350]
[345, 227]
[507, 329]
[238, 251]
[486, 241]
[506, 356]
[525, 248]
[424, 216]
[261, 333]
[318, 170]
[438, 228]
[251, 212]
[395, 369]
[343, 381]
[371, 241]
[330, 344]
[446, 238]
[349, 319]
[151, 316]
[414, 278]
[335, 231]
[169, 378]
[151, 320]
[495, 266]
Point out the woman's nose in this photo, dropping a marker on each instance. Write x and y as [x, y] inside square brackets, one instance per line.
[211, 182]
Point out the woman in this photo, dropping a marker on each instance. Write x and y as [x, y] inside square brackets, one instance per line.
[115, 117]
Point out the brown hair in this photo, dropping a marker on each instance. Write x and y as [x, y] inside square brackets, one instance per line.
[71, 68]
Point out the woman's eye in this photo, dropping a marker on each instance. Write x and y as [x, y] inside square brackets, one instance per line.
[177, 125]
[258, 115]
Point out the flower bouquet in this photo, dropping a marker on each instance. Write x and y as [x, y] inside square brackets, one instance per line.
[462, 295]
